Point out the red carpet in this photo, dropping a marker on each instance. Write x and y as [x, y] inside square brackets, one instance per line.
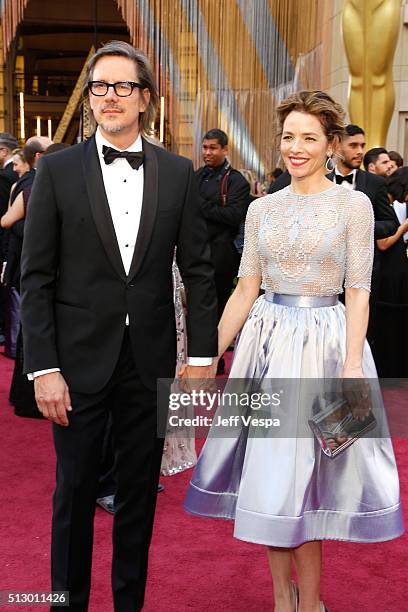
[195, 563]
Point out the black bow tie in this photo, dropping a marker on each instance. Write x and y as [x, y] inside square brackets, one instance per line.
[348, 178]
[135, 158]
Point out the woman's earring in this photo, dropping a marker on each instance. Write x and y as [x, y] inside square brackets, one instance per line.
[329, 163]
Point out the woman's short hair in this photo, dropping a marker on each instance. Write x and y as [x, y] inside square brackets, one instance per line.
[145, 77]
[318, 103]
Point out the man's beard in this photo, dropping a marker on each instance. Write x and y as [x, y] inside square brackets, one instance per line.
[111, 129]
[351, 165]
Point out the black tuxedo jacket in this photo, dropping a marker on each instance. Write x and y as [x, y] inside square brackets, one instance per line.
[13, 239]
[75, 292]
[7, 178]
[223, 221]
[374, 187]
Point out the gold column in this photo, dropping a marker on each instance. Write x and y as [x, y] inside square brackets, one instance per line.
[370, 33]
[72, 105]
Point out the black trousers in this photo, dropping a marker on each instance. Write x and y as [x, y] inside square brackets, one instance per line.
[138, 454]
[226, 260]
[107, 484]
[2, 305]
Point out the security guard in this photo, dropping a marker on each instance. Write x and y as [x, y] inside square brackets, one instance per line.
[224, 201]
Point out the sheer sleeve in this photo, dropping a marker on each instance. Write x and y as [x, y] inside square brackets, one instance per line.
[359, 242]
[250, 261]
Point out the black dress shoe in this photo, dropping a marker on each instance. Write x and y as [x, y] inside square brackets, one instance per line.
[160, 488]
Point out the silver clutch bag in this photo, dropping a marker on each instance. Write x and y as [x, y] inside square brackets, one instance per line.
[335, 427]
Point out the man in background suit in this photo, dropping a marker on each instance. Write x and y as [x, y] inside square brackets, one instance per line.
[7, 177]
[224, 203]
[377, 161]
[349, 174]
[98, 315]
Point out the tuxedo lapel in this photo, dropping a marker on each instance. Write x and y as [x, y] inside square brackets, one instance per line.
[149, 206]
[100, 206]
[361, 180]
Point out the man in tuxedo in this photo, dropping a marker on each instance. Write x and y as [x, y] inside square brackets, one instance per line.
[377, 161]
[98, 315]
[224, 202]
[7, 177]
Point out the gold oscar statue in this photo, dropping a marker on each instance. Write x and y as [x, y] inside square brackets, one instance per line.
[370, 33]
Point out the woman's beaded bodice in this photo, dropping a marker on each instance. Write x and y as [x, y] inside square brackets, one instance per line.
[310, 244]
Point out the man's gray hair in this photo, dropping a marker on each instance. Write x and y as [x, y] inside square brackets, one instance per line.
[145, 77]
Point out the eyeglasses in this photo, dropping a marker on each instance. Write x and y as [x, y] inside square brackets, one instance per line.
[123, 89]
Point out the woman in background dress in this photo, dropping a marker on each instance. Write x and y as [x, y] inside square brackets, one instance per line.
[302, 243]
[179, 452]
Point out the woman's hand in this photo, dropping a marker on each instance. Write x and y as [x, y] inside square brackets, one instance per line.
[356, 393]
[352, 371]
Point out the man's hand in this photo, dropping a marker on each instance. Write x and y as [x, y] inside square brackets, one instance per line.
[52, 397]
[202, 376]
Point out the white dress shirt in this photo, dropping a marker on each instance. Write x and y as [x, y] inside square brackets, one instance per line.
[401, 212]
[124, 191]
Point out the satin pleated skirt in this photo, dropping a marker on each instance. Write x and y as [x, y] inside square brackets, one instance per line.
[284, 491]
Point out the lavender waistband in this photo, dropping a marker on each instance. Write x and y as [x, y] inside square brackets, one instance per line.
[302, 301]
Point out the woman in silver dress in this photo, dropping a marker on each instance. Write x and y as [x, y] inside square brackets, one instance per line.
[303, 244]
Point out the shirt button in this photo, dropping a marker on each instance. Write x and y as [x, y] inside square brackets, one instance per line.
[126, 245]
[124, 180]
